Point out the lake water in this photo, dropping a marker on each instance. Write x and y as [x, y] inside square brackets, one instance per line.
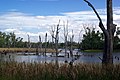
[83, 58]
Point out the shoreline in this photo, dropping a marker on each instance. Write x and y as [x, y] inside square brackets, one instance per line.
[15, 50]
[95, 50]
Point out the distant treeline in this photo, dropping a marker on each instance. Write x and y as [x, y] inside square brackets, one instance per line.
[9, 40]
[92, 39]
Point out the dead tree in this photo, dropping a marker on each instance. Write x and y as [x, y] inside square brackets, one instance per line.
[38, 47]
[40, 43]
[56, 37]
[28, 45]
[65, 36]
[45, 44]
[52, 32]
[108, 33]
[71, 44]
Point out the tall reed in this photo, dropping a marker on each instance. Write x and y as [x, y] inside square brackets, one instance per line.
[49, 71]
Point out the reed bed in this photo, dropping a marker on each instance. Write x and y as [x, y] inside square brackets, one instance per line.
[15, 50]
[49, 71]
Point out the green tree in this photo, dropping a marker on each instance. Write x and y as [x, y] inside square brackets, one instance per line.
[1, 40]
[91, 39]
[117, 39]
[8, 40]
[12, 39]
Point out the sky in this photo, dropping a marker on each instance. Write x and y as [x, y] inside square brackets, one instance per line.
[36, 17]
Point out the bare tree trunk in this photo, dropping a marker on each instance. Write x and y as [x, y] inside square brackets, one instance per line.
[107, 56]
[52, 45]
[65, 46]
[45, 44]
[71, 44]
[40, 45]
[56, 47]
[56, 44]
[56, 40]
[29, 45]
[108, 33]
[52, 34]
[65, 36]
[56, 37]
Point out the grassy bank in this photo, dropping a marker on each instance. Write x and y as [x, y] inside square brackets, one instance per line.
[14, 50]
[39, 71]
[92, 50]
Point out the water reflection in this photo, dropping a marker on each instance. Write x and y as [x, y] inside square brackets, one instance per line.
[83, 58]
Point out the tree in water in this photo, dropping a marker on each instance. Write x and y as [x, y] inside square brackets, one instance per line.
[108, 33]
[52, 32]
[71, 44]
[65, 38]
[40, 43]
[28, 45]
[45, 44]
[56, 37]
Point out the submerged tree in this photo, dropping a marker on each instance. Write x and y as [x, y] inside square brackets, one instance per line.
[40, 43]
[108, 33]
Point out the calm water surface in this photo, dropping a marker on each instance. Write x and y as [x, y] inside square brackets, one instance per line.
[84, 58]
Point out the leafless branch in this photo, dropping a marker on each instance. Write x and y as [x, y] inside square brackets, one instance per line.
[100, 20]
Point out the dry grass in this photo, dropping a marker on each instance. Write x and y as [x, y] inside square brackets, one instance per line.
[14, 50]
[49, 71]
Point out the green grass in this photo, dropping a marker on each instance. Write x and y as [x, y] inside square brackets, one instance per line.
[49, 71]
[92, 51]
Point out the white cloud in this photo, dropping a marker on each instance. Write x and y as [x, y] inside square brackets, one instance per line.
[23, 24]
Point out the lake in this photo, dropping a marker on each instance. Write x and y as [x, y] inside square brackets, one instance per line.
[82, 58]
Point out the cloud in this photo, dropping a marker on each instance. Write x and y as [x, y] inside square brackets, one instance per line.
[35, 25]
[90, 17]
[22, 24]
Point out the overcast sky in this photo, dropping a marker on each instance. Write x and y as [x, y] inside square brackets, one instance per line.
[35, 17]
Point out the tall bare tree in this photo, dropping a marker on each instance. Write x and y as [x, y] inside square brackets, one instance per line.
[108, 33]
[65, 36]
[28, 45]
[56, 37]
[40, 43]
[52, 32]
[45, 44]
[71, 44]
